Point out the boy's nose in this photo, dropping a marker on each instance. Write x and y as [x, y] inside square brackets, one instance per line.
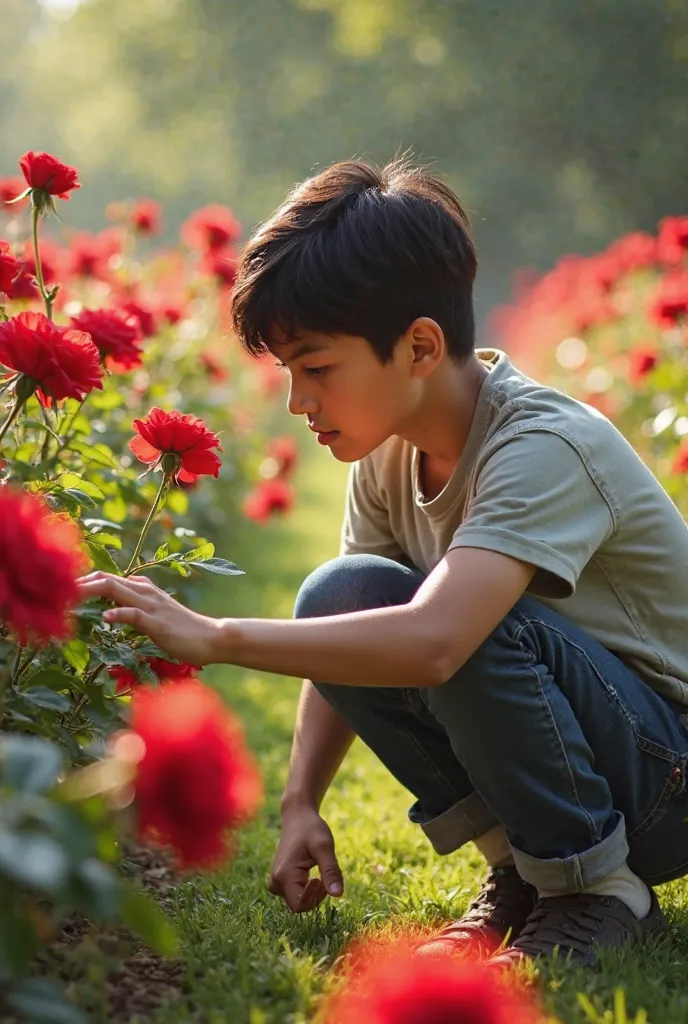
[299, 404]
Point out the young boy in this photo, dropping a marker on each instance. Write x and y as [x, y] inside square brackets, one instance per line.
[505, 626]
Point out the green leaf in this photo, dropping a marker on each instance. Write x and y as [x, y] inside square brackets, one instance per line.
[116, 508]
[99, 454]
[68, 501]
[55, 678]
[199, 554]
[100, 889]
[32, 858]
[75, 480]
[95, 525]
[28, 764]
[76, 654]
[42, 1001]
[117, 654]
[148, 649]
[143, 916]
[106, 400]
[219, 565]
[182, 569]
[42, 697]
[80, 497]
[39, 425]
[107, 540]
[102, 559]
[162, 552]
[18, 939]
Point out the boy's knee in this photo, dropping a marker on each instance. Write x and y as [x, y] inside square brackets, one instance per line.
[354, 583]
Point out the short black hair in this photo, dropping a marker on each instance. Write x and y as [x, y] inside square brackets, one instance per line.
[360, 250]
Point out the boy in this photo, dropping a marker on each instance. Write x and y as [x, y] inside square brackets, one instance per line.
[505, 626]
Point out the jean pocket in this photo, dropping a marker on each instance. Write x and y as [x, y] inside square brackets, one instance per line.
[672, 779]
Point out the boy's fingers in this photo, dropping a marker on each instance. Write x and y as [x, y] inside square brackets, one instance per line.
[314, 893]
[330, 872]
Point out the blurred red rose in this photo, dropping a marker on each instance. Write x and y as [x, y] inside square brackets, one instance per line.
[166, 671]
[52, 260]
[184, 435]
[642, 360]
[672, 242]
[24, 286]
[40, 560]
[145, 217]
[196, 779]
[48, 174]
[143, 313]
[214, 368]
[9, 269]
[10, 188]
[221, 264]
[116, 335]
[392, 985]
[285, 452]
[669, 304]
[212, 227]
[90, 255]
[634, 251]
[680, 463]
[63, 363]
[268, 497]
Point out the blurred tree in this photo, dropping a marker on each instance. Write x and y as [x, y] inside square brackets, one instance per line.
[560, 124]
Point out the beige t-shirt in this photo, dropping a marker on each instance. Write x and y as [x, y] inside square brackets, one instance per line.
[551, 481]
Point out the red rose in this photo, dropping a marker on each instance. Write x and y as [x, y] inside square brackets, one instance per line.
[214, 368]
[46, 173]
[24, 286]
[285, 453]
[177, 434]
[90, 255]
[166, 671]
[10, 188]
[116, 335]
[52, 260]
[680, 463]
[63, 363]
[268, 497]
[9, 269]
[145, 217]
[669, 305]
[392, 985]
[642, 360]
[221, 264]
[672, 241]
[40, 560]
[212, 227]
[143, 313]
[196, 779]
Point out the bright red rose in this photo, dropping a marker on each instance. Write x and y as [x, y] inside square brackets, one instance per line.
[174, 433]
[117, 336]
[40, 560]
[680, 463]
[166, 671]
[63, 363]
[143, 313]
[391, 985]
[10, 188]
[268, 497]
[145, 217]
[9, 269]
[285, 453]
[672, 242]
[124, 678]
[669, 305]
[196, 779]
[24, 285]
[212, 227]
[642, 360]
[221, 264]
[90, 255]
[46, 173]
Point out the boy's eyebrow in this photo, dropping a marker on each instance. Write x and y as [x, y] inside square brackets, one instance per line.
[303, 350]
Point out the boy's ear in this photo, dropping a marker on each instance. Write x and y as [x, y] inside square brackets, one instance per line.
[426, 345]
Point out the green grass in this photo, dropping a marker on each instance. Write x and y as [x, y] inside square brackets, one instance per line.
[246, 958]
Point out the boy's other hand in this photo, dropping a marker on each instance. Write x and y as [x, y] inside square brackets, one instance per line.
[306, 842]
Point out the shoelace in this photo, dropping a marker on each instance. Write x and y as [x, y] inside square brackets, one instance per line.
[572, 927]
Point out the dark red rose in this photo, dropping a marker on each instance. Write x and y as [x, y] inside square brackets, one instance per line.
[174, 433]
[46, 173]
[117, 336]
[642, 360]
[9, 269]
[266, 499]
[212, 227]
[669, 305]
[143, 313]
[145, 217]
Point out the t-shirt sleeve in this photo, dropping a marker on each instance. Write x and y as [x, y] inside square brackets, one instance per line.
[535, 500]
[366, 529]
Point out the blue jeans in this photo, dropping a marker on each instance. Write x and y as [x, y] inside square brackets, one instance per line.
[542, 730]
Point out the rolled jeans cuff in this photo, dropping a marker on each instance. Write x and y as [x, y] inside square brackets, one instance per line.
[465, 820]
[573, 874]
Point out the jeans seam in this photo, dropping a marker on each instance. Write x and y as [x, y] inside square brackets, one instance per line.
[562, 750]
[670, 786]
[432, 766]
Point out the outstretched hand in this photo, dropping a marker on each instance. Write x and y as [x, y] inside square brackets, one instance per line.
[180, 632]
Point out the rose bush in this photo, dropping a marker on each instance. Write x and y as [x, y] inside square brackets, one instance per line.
[612, 330]
[118, 389]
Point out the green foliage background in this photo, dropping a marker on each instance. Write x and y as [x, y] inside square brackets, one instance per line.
[562, 125]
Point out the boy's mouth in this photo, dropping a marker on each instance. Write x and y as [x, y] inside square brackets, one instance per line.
[327, 436]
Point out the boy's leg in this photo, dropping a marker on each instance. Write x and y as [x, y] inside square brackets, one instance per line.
[399, 728]
[585, 766]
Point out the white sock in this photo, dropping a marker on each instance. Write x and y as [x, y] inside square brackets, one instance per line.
[621, 883]
[494, 847]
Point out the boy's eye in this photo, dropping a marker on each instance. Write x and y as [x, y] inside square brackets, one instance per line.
[316, 371]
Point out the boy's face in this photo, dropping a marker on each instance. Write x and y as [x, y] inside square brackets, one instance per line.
[352, 402]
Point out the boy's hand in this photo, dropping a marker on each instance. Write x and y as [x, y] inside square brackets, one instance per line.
[306, 842]
[181, 633]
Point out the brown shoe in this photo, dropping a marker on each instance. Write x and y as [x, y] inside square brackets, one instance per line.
[576, 926]
[498, 913]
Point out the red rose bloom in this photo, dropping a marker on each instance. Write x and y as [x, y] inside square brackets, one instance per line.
[214, 368]
[268, 497]
[680, 463]
[40, 559]
[63, 363]
[143, 313]
[393, 986]
[145, 217]
[52, 260]
[670, 302]
[24, 285]
[642, 360]
[46, 173]
[9, 269]
[10, 188]
[116, 335]
[212, 227]
[166, 671]
[672, 242]
[285, 453]
[90, 255]
[174, 433]
[196, 779]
